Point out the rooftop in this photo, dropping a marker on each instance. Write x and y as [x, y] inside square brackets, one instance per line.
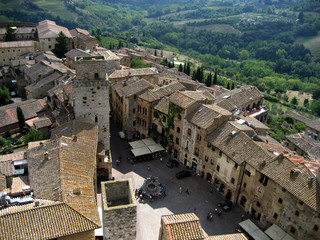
[133, 72]
[49, 29]
[182, 226]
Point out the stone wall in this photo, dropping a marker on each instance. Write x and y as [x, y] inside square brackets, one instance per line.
[91, 96]
[9, 53]
[119, 210]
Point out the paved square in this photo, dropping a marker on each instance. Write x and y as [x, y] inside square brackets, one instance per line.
[199, 199]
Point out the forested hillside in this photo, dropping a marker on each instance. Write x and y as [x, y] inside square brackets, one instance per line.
[259, 42]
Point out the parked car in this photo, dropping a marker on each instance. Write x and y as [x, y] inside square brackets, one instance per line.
[172, 163]
[183, 174]
[226, 205]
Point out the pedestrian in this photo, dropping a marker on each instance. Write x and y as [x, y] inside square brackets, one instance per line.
[148, 168]
[118, 162]
[180, 190]
[187, 191]
[220, 213]
[216, 210]
[194, 210]
[161, 159]
[242, 217]
[208, 217]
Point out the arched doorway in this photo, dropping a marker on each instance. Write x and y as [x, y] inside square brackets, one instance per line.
[194, 166]
[229, 195]
[209, 177]
[143, 136]
[243, 201]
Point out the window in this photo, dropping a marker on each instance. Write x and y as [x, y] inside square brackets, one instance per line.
[196, 151]
[96, 75]
[213, 148]
[134, 111]
[189, 131]
[247, 173]
[212, 162]
[164, 119]
[96, 119]
[218, 168]
[315, 228]
[172, 126]
[139, 108]
[292, 230]
[199, 137]
[264, 180]
[244, 185]
[258, 204]
[297, 213]
[134, 123]
[209, 145]
[232, 180]
[280, 200]
[300, 202]
[220, 153]
[49, 46]
[155, 114]
[275, 215]
[178, 130]
[259, 190]
[171, 137]
[206, 158]
[179, 117]
[236, 165]
[49, 39]
[283, 190]
[177, 140]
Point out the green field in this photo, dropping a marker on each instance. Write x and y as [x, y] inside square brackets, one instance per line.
[101, 10]
[57, 8]
[224, 28]
[312, 43]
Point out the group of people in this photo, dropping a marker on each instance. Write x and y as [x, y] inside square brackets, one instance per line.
[210, 215]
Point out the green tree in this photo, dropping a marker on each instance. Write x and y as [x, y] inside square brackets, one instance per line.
[21, 119]
[244, 55]
[299, 126]
[209, 80]
[61, 46]
[180, 68]
[306, 102]
[228, 85]
[32, 136]
[4, 96]
[294, 101]
[188, 69]
[10, 34]
[137, 63]
[232, 87]
[215, 78]
[155, 52]
[315, 106]
[98, 31]
[316, 93]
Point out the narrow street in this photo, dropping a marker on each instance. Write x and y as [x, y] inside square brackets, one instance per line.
[199, 200]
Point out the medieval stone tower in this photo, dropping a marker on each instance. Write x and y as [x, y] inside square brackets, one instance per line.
[91, 95]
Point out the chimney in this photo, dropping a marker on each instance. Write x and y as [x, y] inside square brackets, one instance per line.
[36, 204]
[46, 156]
[75, 138]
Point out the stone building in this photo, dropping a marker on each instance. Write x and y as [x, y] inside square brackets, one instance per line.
[146, 101]
[119, 210]
[23, 30]
[198, 124]
[71, 56]
[48, 32]
[312, 126]
[124, 105]
[83, 40]
[113, 61]
[13, 50]
[91, 98]
[244, 101]
[304, 145]
[149, 74]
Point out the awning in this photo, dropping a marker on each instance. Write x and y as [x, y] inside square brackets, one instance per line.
[253, 230]
[276, 233]
[145, 146]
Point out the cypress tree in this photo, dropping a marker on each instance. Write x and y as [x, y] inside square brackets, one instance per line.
[110, 46]
[180, 68]
[21, 119]
[188, 69]
[209, 79]
[228, 86]
[232, 87]
[184, 67]
[155, 52]
[215, 78]
[61, 46]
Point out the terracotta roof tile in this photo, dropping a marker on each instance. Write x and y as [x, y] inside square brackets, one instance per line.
[183, 226]
[163, 105]
[30, 108]
[235, 236]
[18, 183]
[131, 72]
[49, 29]
[47, 221]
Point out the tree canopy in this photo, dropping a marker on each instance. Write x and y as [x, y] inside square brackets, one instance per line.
[61, 46]
[10, 34]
